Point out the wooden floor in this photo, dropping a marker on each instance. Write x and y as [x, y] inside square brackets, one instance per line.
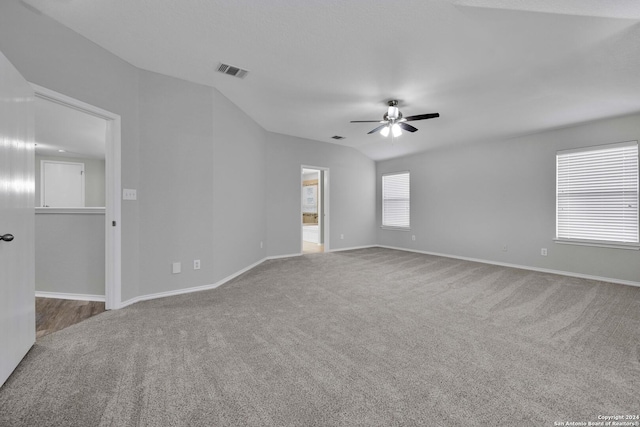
[56, 314]
[311, 248]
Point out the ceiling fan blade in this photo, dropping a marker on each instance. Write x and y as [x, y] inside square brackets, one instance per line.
[422, 117]
[407, 127]
[366, 121]
[377, 129]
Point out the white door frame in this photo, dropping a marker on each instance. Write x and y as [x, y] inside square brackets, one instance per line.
[113, 238]
[325, 187]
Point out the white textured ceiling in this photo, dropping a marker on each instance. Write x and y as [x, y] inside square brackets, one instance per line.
[624, 9]
[59, 127]
[491, 68]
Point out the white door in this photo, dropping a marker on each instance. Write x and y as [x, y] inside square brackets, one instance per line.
[17, 293]
[62, 184]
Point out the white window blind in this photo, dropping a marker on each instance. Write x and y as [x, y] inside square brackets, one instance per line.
[396, 200]
[597, 193]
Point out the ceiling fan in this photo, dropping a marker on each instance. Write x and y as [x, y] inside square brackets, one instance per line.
[393, 122]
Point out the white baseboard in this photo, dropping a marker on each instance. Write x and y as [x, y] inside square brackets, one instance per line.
[353, 248]
[326, 251]
[221, 282]
[189, 290]
[282, 256]
[255, 264]
[522, 267]
[76, 297]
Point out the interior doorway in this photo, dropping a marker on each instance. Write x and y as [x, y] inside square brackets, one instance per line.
[70, 264]
[69, 130]
[314, 209]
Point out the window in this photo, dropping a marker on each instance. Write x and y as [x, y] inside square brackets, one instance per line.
[396, 200]
[597, 194]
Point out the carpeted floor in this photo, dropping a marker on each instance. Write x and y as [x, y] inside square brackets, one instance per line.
[371, 337]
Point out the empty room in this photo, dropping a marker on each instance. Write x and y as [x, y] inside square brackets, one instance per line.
[319, 213]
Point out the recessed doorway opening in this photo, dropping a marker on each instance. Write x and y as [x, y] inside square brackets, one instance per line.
[314, 207]
[68, 132]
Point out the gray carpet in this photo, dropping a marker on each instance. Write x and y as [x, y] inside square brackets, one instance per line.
[371, 337]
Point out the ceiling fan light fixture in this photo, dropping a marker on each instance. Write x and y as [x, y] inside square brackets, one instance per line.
[394, 122]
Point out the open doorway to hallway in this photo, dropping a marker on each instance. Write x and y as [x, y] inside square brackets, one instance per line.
[77, 239]
[314, 209]
[70, 204]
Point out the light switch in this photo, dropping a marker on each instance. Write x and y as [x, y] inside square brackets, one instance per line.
[129, 194]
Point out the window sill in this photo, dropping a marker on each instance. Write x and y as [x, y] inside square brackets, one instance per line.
[386, 227]
[599, 244]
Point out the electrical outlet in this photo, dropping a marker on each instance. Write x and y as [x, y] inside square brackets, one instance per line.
[176, 267]
[543, 251]
[342, 237]
[196, 264]
[413, 237]
[261, 245]
[505, 248]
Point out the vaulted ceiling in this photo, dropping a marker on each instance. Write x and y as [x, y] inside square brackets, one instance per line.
[491, 68]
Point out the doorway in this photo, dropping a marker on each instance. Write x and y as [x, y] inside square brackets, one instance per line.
[71, 131]
[314, 209]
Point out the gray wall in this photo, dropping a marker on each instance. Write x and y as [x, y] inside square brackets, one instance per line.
[176, 192]
[202, 185]
[239, 188]
[94, 183]
[52, 56]
[471, 200]
[351, 193]
[200, 164]
[70, 253]
[178, 150]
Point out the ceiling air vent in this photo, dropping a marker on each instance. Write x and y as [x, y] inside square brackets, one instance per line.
[232, 71]
[337, 137]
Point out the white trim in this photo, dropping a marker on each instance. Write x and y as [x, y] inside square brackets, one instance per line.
[325, 208]
[67, 101]
[395, 173]
[113, 236]
[220, 282]
[76, 297]
[203, 287]
[189, 290]
[75, 211]
[522, 267]
[113, 177]
[282, 256]
[574, 179]
[353, 248]
[598, 147]
[598, 244]
[273, 257]
[382, 201]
